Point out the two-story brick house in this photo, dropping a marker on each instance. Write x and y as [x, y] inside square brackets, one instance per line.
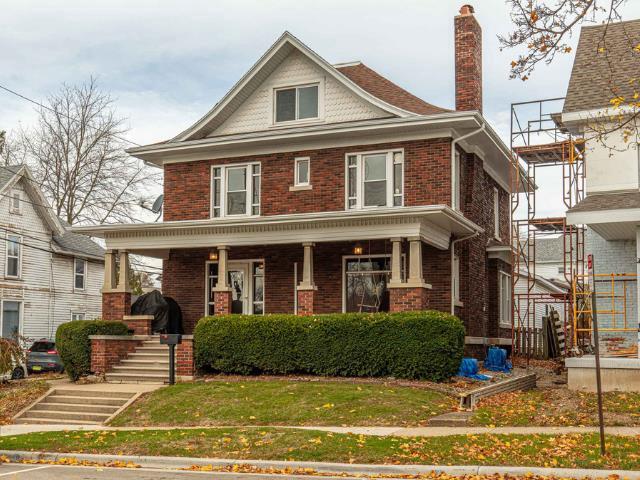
[317, 188]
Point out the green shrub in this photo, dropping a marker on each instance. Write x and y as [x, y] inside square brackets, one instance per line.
[416, 345]
[74, 346]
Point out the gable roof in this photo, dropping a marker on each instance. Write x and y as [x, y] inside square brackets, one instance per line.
[66, 241]
[390, 100]
[384, 89]
[605, 63]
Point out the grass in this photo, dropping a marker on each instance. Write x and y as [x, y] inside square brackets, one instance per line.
[16, 395]
[557, 407]
[570, 451]
[285, 402]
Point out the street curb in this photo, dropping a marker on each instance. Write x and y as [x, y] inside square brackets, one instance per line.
[325, 467]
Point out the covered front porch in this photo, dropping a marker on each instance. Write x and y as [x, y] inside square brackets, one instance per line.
[388, 260]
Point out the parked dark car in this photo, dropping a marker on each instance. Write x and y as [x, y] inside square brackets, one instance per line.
[43, 357]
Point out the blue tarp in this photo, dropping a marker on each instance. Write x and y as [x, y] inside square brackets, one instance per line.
[469, 369]
[496, 360]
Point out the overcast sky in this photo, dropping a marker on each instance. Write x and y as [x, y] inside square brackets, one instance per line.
[167, 62]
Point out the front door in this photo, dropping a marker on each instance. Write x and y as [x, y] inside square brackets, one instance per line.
[239, 283]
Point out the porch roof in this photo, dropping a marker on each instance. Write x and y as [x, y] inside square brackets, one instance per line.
[435, 224]
[613, 215]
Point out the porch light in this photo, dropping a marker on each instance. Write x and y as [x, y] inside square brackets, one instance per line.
[357, 250]
[213, 256]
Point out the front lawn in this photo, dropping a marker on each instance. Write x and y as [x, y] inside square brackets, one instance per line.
[286, 402]
[17, 394]
[570, 451]
[557, 407]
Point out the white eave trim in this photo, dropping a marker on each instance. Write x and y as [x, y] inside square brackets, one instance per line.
[622, 215]
[434, 223]
[285, 38]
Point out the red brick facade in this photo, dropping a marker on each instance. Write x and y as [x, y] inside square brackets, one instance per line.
[107, 352]
[427, 182]
[139, 324]
[305, 302]
[468, 60]
[185, 364]
[407, 299]
[115, 305]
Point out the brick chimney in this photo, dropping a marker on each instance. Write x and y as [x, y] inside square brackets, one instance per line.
[468, 37]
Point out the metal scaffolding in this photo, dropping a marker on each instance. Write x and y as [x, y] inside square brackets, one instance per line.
[537, 141]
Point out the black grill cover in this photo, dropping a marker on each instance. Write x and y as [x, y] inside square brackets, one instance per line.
[165, 310]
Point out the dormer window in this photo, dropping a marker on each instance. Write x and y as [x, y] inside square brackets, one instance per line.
[16, 202]
[296, 103]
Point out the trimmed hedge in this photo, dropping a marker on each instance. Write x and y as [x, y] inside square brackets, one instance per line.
[74, 346]
[415, 345]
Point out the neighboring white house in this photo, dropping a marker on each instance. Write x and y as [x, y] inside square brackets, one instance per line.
[611, 208]
[48, 275]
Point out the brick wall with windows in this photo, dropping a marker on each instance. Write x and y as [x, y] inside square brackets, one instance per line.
[187, 186]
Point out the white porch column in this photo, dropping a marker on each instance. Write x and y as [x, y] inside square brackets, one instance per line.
[124, 272]
[307, 267]
[109, 271]
[223, 280]
[415, 262]
[396, 261]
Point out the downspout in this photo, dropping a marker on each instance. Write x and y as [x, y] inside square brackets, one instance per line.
[454, 178]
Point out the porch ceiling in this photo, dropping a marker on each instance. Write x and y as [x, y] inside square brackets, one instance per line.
[435, 224]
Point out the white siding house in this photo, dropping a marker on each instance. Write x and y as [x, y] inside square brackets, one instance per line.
[48, 275]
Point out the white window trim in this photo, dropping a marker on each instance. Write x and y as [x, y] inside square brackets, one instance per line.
[6, 256]
[360, 179]
[501, 314]
[456, 281]
[20, 314]
[248, 262]
[223, 194]
[320, 118]
[457, 184]
[496, 213]
[12, 207]
[76, 312]
[345, 258]
[298, 161]
[84, 275]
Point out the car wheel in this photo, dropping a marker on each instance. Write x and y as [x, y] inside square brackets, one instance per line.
[17, 373]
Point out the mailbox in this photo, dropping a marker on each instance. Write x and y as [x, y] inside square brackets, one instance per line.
[170, 338]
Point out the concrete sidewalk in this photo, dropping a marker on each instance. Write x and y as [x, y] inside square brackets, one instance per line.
[7, 430]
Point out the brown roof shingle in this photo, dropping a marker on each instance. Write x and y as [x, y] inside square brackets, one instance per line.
[608, 201]
[605, 64]
[385, 90]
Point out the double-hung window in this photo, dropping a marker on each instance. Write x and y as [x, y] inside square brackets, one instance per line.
[79, 274]
[375, 180]
[296, 103]
[16, 202]
[14, 256]
[504, 298]
[235, 190]
[496, 213]
[78, 316]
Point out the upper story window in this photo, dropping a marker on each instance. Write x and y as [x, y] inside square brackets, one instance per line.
[13, 262]
[496, 213]
[15, 205]
[296, 103]
[79, 274]
[302, 172]
[375, 180]
[235, 190]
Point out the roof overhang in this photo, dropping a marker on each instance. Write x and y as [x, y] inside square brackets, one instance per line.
[616, 224]
[434, 224]
[500, 252]
[580, 121]
[487, 143]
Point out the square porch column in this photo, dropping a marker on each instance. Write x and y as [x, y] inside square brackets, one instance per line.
[412, 294]
[305, 290]
[222, 290]
[116, 298]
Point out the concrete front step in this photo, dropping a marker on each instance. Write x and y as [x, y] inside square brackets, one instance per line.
[52, 421]
[136, 378]
[73, 407]
[111, 401]
[160, 357]
[92, 393]
[160, 350]
[119, 369]
[145, 363]
[65, 415]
